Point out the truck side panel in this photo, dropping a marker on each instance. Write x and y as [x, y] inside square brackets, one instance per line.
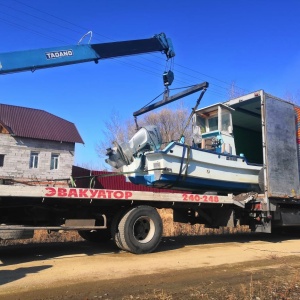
[281, 149]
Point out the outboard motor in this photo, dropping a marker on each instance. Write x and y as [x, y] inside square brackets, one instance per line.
[148, 138]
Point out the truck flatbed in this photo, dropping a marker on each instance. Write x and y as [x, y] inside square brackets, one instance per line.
[107, 194]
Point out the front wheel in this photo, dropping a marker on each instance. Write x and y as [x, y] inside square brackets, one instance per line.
[140, 230]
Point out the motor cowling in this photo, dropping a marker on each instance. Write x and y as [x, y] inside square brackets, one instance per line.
[148, 138]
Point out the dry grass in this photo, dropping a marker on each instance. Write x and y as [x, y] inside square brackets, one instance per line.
[178, 229]
[279, 288]
[276, 289]
[156, 294]
[42, 236]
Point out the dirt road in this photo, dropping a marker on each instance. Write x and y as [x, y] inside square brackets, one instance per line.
[203, 267]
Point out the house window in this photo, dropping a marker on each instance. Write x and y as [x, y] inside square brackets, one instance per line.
[54, 162]
[34, 160]
[1, 160]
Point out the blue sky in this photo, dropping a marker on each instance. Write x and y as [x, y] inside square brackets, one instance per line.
[255, 44]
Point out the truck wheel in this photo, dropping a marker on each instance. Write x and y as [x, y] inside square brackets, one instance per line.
[115, 234]
[140, 230]
[115, 230]
[13, 234]
[95, 236]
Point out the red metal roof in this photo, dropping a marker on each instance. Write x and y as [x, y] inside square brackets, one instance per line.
[37, 124]
[83, 176]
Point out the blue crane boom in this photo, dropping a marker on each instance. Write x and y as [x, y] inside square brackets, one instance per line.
[31, 60]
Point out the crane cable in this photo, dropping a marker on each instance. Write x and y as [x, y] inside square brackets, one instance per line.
[192, 113]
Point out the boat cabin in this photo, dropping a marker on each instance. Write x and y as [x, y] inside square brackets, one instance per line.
[212, 129]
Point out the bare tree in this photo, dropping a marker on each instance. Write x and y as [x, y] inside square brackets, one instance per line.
[293, 98]
[171, 124]
[234, 91]
[115, 130]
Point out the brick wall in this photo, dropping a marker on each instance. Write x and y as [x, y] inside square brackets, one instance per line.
[17, 156]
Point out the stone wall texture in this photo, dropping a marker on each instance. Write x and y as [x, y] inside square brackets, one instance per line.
[17, 152]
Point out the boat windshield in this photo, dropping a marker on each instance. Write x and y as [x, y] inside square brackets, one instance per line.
[212, 124]
[212, 119]
[225, 121]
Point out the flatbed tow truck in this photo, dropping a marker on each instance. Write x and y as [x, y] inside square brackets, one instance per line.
[266, 131]
[129, 217]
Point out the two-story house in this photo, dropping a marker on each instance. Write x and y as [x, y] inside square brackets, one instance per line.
[36, 147]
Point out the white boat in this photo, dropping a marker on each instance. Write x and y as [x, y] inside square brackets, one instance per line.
[210, 164]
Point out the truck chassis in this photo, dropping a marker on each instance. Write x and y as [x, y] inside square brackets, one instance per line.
[130, 218]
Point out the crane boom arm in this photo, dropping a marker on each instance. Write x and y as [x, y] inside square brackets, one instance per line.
[31, 60]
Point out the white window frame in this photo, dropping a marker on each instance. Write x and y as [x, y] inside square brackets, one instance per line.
[54, 163]
[34, 160]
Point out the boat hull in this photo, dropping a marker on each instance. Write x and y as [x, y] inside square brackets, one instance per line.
[196, 170]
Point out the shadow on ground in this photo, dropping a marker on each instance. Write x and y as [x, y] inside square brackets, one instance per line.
[7, 276]
[20, 253]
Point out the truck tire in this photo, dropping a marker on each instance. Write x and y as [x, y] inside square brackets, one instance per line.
[115, 229]
[140, 230]
[115, 233]
[13, 234]
[95, 236]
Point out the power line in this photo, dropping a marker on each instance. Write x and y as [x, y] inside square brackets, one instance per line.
[58, 18]
[22, 27]
[12, 21]
[184, 77]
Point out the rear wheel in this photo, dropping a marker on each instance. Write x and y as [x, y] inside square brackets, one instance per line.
[115, 228]
[140, 230]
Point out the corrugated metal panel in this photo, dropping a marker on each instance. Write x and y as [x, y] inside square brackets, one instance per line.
[38, 124]
[111, 182]
[281, 149]
[78, 172]
[118, 182]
